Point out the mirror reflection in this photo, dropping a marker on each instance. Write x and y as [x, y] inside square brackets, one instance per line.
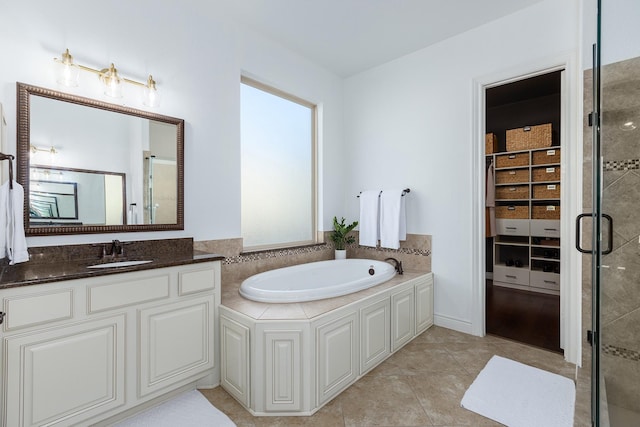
[96, 167]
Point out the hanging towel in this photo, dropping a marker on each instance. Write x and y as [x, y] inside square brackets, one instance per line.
[393, 219]
[368, 224]
[490, 202]
[12, 241]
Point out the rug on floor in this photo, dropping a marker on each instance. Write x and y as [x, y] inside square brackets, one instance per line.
[519, 395]
[187, 409]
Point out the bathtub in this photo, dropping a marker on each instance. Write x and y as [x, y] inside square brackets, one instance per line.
[316, 280]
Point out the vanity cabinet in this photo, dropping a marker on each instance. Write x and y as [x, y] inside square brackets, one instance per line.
[83, 351]
[282, 366]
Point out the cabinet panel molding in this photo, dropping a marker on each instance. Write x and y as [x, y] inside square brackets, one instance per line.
[38, 308]
[67, 374]
[283, 361]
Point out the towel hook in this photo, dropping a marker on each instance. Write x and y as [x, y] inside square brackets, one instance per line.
[405, 191]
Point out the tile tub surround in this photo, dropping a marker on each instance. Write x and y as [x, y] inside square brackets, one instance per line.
[301, 310]
[53, 263]
[421, 385]
[415, 254]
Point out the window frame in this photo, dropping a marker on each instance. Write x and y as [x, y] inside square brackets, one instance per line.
[315, 238]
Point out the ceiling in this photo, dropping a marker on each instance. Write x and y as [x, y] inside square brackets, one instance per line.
[350, 36]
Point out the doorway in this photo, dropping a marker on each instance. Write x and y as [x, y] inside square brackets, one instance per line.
[523, 258]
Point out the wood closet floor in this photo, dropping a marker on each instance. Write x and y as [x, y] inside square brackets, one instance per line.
[528, 317]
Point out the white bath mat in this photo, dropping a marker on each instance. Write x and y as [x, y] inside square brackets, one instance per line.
[519, 395]
[188, 409]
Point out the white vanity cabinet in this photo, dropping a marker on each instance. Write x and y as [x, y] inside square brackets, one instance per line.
[84, 351]
[286, 366]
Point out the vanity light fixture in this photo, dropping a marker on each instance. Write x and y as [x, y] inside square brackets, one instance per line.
[68, 76]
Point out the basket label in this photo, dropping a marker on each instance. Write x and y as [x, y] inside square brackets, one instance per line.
[512, 188]
[512, 156]
[511, 208]
[551, 152]
[551, 187]
[551, 170]
[551, 208]
[526, 128]
[512, 172]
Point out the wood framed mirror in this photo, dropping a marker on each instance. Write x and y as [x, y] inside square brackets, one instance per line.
[126, 165]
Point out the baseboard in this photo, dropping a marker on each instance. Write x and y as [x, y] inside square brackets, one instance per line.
[455, 324]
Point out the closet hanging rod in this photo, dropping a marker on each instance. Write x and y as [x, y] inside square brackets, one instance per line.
[405, 191]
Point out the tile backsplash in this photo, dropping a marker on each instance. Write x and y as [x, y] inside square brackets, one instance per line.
[415, 254]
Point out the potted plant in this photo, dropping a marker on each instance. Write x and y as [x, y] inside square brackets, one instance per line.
[341, 238]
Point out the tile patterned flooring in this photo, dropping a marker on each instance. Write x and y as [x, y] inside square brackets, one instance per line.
[420, 385]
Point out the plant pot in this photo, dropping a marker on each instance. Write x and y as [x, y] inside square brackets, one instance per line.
[341, 254]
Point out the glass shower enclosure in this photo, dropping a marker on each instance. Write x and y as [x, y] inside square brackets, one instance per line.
[615, 225]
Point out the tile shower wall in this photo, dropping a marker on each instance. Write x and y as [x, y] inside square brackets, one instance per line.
[621, 195]
[415, 254]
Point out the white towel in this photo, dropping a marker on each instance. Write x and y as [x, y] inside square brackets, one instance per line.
[13, 244]
[368, 224]
[393, 219]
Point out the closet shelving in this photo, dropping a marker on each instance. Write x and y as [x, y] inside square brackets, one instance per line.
[526, 248]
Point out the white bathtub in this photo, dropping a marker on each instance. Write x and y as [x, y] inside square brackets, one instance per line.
[316, 280]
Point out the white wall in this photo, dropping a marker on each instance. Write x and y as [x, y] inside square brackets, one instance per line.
[408, 123]
[620, 30]
[196, 61]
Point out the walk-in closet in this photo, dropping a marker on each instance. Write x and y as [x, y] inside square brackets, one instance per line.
[522, 152]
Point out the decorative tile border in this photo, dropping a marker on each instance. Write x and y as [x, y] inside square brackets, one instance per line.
[621, 165]
[278, 253]
[612, 350]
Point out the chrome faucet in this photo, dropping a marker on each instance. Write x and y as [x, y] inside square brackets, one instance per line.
[397, 265]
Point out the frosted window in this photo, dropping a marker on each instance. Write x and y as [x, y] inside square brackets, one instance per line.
[277, 170]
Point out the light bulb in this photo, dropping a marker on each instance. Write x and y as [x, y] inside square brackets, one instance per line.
[67, 72]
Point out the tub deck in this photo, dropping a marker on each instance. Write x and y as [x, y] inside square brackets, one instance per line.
[302, 310]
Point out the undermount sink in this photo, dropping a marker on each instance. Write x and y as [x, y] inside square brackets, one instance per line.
[119, 264]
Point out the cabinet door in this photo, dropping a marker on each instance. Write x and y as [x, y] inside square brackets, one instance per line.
[283, 375]
[65, 375]
[375, 344]
[176, 343]
[234, 360]
[402, 318]
[424, 305]
[337, 343]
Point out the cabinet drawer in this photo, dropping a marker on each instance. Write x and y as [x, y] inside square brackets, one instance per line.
[540, 279]
[29, 310]
[512, 227]
[121, 294]
[518, 276]
[196, 281]
[545, 228]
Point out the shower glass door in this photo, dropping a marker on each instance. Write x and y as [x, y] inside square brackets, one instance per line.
[616, 200]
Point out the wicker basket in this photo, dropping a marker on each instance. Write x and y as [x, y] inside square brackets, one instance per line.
[545, 212]
[490, 143]
[546, 157]
[512, 160]
[512, 212]
[529, 137]
[545, 174]
[512, 176]
[513, 192]
[546, 191]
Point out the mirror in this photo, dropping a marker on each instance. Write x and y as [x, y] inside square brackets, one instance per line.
[92, 167]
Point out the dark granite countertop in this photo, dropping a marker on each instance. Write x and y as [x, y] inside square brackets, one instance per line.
[53, 264]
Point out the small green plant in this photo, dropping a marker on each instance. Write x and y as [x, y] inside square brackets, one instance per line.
[340, 236]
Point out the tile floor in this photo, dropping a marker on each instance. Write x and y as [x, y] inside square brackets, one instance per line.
[420, 385]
